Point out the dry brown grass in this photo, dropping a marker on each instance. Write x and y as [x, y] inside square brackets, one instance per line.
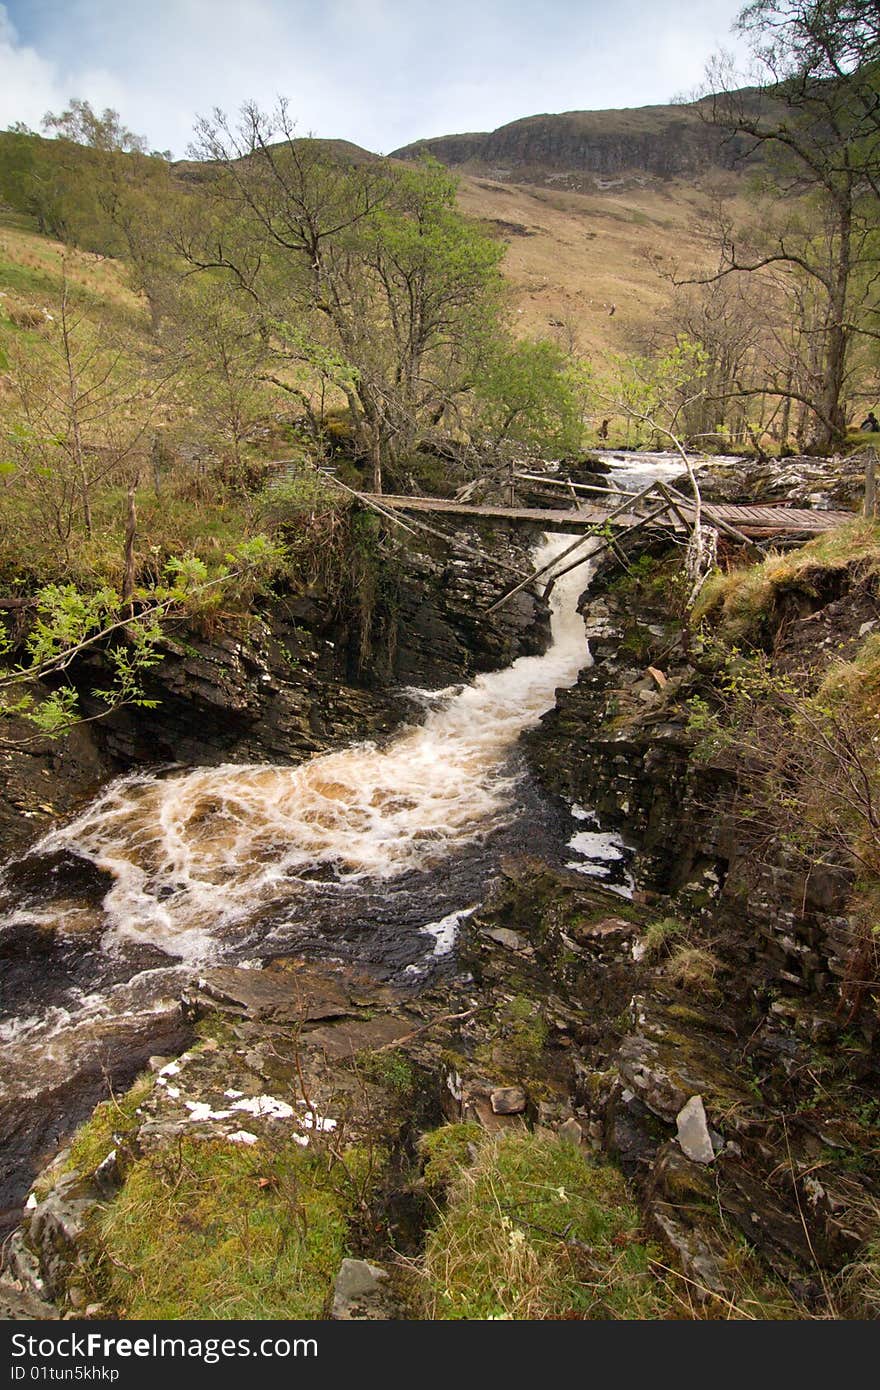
[589, 251]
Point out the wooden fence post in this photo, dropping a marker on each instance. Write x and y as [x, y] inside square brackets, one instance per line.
[871, 483]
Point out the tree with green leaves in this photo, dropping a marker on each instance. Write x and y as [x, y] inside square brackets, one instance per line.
[369, 260]
[97, 186]
[533, 393]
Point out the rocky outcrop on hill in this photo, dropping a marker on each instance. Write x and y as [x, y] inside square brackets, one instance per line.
[658, 141]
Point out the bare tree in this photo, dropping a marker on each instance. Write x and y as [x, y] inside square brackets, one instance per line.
[807, 132]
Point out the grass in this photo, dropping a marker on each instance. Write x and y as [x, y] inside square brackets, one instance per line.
[860, 1282]
[210, 1229]
[660, 936]
[108, 1126]
[743, 600]
[445, 1152]
[856, 683]
[693, 968]
[533, 1229]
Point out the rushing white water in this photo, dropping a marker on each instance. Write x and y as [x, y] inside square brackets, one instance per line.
[193, 854]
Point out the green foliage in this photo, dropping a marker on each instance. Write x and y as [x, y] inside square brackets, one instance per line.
[652, 392]
[108, 1127]
[392, 1070]
[374, 286]
[68, 621]
[303, 493]
[533, 1229]
[519, 1038]
[694, 969]
[532, 393]
[445, 1152]
[806, 760]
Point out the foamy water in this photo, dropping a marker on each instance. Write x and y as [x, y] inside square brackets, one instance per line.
[195, 854]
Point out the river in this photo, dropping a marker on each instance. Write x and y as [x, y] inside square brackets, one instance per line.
[369, 853]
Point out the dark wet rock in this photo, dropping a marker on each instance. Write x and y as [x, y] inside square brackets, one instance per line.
[695, 1256]
[300, 677]
[275, 996]
[59, 872]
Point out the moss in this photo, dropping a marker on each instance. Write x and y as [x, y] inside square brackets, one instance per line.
[518, 1040]
[533, 1229]
[445, 1152]
[217, 1230]
[111, 1123]
[743, 600]
[214, 1028]
[393, 1070]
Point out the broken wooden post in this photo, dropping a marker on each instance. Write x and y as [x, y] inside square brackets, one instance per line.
[871, 483]
[593, 530]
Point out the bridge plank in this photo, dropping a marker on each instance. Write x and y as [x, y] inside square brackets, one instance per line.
[751, 520]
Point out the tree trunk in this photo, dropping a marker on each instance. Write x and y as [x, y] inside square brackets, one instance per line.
[376, 459]
[831, 427]
[129, 572]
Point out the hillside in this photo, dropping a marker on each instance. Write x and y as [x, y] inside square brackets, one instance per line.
[583, 265]
[579, 198]
[582, 198]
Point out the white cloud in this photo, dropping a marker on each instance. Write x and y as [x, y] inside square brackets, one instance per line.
[27, 81]
[32, 84]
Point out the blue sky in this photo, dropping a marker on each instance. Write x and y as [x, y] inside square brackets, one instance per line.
[379, 72]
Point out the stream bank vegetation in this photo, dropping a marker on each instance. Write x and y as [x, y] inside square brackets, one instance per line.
[799, 723]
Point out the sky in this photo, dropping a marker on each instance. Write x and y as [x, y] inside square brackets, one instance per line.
[379, 72]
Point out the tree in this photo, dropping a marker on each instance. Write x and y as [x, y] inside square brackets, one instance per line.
[213, 335]
[368, 260]
[82, 406]
[97, 186]
[811, 121]
[531, 392]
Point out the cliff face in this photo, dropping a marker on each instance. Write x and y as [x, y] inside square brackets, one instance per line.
[661, 141]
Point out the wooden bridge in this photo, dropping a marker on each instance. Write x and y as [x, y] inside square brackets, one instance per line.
[755, 523]
[607, 523]
[611, 522]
